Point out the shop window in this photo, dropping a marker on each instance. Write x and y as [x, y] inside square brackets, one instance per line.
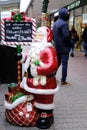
[71, 19]
[84, 17]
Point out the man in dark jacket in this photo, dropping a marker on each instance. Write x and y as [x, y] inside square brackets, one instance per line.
[62, 42]
[84, 38]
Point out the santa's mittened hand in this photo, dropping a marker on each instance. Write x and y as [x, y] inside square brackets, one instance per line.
[33, 70]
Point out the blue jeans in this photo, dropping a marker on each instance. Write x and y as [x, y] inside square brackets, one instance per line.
[72, 47]
[63, 60]
[85, 47]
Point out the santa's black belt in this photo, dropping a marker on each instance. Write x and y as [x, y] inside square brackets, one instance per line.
[51, 75]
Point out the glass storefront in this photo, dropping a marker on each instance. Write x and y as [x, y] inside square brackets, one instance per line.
[84, 17]
[78, 17]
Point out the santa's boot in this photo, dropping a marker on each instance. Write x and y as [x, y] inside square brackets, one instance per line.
[45, 120]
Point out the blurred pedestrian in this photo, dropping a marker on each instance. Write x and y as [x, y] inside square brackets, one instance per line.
[84, 38]
[74, 38]
[62, 42]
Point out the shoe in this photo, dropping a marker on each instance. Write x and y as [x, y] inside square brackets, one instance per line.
[45, 122]
[85, 55]
[65, 84]
[45, 119]
[72, 55]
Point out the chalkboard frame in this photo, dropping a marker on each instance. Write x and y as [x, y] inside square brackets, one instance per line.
[3, 42]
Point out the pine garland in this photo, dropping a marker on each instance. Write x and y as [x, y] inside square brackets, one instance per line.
[45, 5]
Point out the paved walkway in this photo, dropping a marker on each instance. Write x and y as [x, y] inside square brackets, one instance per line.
[70, 112]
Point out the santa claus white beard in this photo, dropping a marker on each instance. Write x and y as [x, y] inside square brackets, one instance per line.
[37, 47]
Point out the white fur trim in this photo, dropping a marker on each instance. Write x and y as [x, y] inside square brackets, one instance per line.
[23, 82]
[41, 91]
[44, 106]
[17, 102]
[26, 65]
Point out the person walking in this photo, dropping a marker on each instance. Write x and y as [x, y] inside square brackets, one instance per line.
[84, 38]
[62, 42]
[74, 38]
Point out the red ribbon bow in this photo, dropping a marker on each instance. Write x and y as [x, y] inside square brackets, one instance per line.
[14, 13]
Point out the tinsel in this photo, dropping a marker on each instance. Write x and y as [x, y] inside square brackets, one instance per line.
[16, 96]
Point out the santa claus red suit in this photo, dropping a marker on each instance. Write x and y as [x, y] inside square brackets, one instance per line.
[39, 75]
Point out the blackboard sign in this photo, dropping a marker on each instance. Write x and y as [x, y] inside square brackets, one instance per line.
[18, 31]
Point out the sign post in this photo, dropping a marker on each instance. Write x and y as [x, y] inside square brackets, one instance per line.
[18, 65]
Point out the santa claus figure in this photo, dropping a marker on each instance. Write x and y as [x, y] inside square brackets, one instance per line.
[39, 75]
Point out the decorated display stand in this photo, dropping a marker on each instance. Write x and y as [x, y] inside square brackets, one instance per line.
[16, 30]
[30, 102]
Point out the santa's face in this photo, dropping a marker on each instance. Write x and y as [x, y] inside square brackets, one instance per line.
[39, 36]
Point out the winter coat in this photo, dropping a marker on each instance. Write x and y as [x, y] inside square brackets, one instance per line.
[61, 33]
